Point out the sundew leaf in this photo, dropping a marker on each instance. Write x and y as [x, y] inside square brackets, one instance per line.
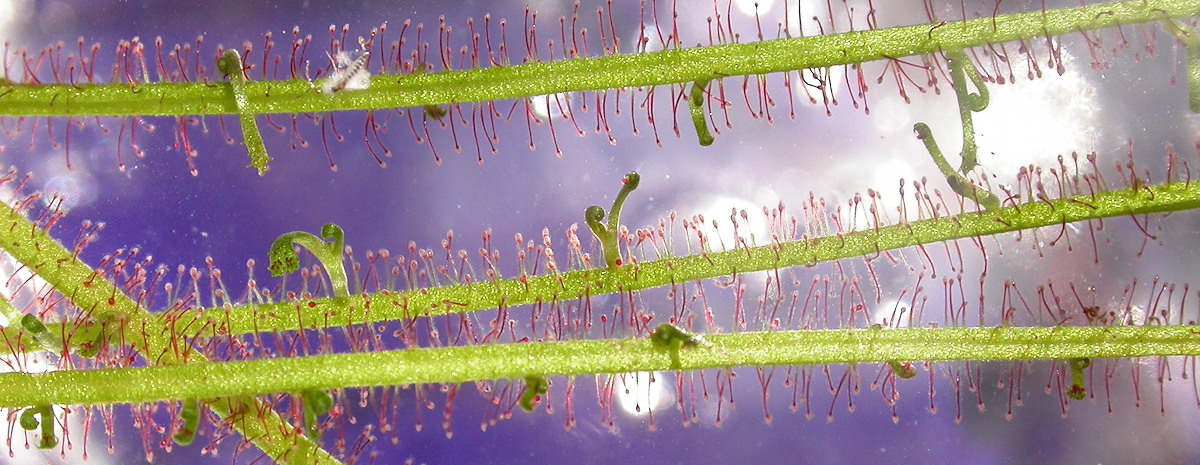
[1064, 274]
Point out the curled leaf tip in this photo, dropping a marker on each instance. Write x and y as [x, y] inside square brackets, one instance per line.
[608, 234]
[1077, 391]
[33, 324]
[334, 233]
[230, 63]
[594, 215]
[29, 422]
[535, 388]
[630, 182]
[282, 258]
[316, 403]
[29, 419]
[189, 414]
[957, 181]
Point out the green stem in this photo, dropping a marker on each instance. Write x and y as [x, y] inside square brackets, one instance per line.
[542, 78]
[1077, 390]
[1187, 35]
[521, 361]
[231, 64]
[610, 235]
[393, 305]
[32, 247]
[696, 106]
[960, 68]
[283, 258]
[958, 183]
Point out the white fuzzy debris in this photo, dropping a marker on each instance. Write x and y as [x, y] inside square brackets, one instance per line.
[347, 74]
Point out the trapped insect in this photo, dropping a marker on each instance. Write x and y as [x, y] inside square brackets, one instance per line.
[348, 74]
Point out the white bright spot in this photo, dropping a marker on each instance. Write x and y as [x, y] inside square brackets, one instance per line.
[812, 18]
[20, 276]
[891, 114]
[637, 394]
[553, 106]
[817, 85]
[42, 363]
[1135, 317]
[801, 18]
[71, 188]
[885, 312]
[1035, 121]
[12, 13]
[748, 7]
[651, 42]
[720, 208]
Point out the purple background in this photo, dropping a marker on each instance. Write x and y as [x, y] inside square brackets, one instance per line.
[229, 213]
